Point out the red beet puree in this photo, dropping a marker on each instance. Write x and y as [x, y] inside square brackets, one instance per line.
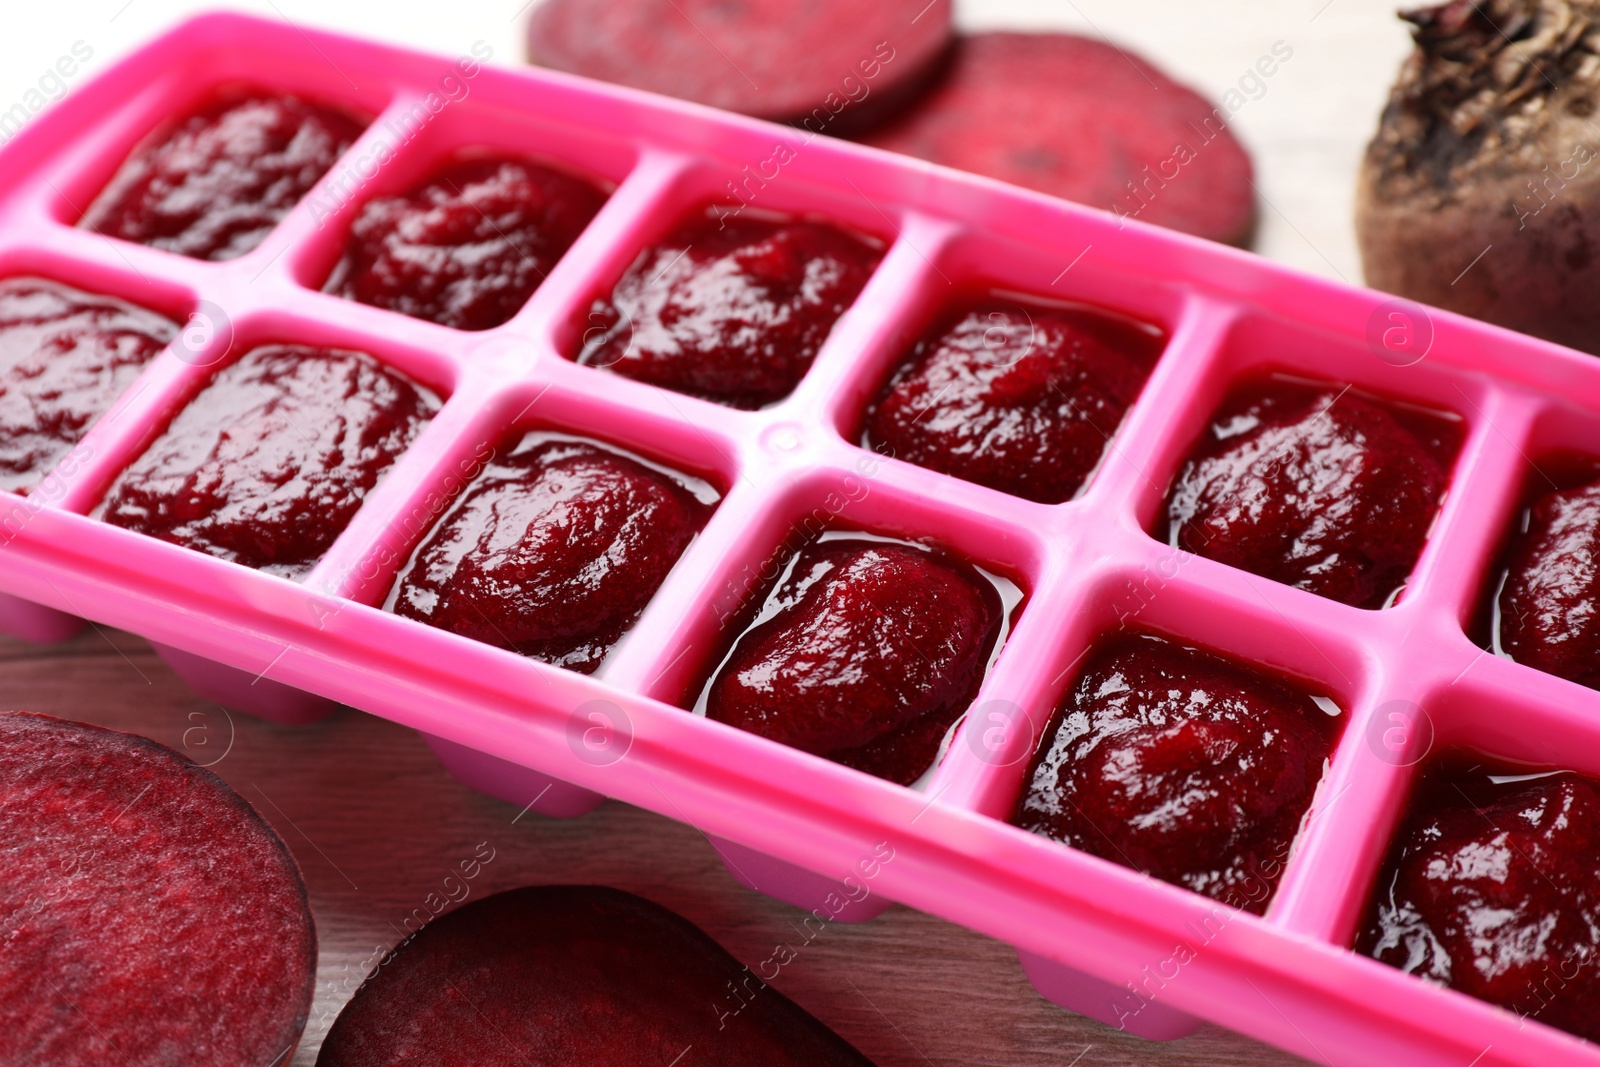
[731, 310]
[1550, 602]
[65, 357]
[468, 247]
[1319, 487]
[865, 652]
[1015, 396]
[271, 460]
[552, 552]
[1191, 768]
[1493, 888]
[214, 185]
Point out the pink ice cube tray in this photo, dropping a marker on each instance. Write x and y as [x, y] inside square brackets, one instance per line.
[1140, 954]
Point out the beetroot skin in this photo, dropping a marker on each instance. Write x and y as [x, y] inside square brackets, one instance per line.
[150, 915]
[731, 310]
[573, 976]
[65, 357]
[552, 552]
[1494, 889]
[1185, 766]
[1018, 398]
[1319, 488]
[1085, 121]
[469, 246]
[1479, 191]
[867, 653]
[825, 64]
[215, 185]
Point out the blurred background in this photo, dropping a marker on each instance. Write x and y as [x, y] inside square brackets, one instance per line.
[1306, 129]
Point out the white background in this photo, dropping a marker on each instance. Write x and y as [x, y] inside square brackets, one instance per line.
[1306, 131]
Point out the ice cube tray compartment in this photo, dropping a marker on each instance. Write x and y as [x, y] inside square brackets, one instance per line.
[1556, 452]
[1092, 934]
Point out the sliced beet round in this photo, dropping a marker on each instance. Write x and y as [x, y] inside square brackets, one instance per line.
[1085, 121]
[149, 915]
[563, 976]
[827, 64]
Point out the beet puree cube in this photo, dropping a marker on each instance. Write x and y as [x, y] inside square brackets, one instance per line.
[468, 247]
[1492, 887]
[1549, 615]
[732, 310]
[65, 357]
[1084, 120]
[574, 976]
[149, 915]
[553, 551]
[1185, 766]
[1021, 397]
[216, 183]
[272, 459]
[866, 652]
[1320, 487]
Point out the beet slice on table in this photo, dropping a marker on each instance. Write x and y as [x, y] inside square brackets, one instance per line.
[1085, 121]
[826, 64]
[148, 914]
[570, 975]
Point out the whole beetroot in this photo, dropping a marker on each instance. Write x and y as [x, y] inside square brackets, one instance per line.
[1480, 192]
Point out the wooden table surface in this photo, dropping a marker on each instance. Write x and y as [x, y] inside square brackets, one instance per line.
[374, 821]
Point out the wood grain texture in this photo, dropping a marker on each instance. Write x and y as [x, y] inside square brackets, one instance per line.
[377, 825]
